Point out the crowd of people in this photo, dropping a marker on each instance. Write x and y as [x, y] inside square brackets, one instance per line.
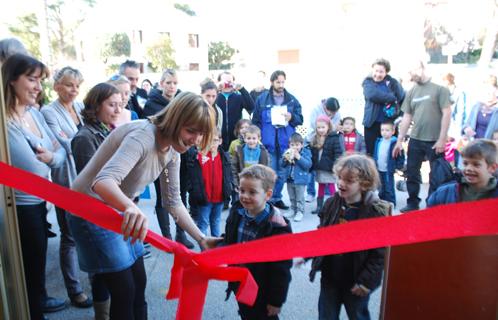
[201, 154]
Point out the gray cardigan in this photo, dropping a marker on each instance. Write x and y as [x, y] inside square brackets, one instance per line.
[472, 120]
[130, 157]
[21, 143]
[64, 129]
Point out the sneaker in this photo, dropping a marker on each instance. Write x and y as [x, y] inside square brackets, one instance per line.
[309, 198]
[281, 205]
[52, 304]
[147, 254]
[298, 217]
[288, 214]
[409, 207]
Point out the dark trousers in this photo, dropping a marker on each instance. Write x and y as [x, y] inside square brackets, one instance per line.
[371, 134]
[256, 312]
[386, 190]
[163, 215]
[332, 298]
[418, 152]
[32, 221]
[127, 289]
[68, 257]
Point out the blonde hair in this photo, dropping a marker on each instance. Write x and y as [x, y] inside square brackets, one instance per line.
[68, 72]
[315, 141]
[186, 110]
[260, 172]
[252, 129]
[360, 166]
[118, 79]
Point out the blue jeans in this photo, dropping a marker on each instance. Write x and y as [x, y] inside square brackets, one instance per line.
[279, 184]
[210, 215]
[310, 187]
[386, 191]
[332, 298]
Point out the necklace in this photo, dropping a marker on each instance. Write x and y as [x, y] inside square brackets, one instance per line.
[22, 119]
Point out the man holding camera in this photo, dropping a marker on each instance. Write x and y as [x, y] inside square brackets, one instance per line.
[232, 98]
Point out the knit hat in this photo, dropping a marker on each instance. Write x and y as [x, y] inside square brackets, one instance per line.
[323, 118]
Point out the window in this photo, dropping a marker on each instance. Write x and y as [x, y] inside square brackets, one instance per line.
[193, 40]
[288, 56]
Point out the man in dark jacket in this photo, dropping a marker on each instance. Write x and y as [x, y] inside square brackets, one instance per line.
[232, 98]
[131, 70]
[276, 130]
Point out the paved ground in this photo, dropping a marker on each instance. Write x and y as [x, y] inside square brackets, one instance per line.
[301, 302]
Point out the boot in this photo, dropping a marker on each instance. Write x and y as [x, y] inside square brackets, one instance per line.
[102, 309]
[181, 237]
[319, 205]
[163, 219]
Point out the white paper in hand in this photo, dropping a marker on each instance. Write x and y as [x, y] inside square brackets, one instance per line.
[278, 115]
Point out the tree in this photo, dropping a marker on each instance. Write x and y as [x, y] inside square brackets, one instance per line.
[64, 19]
[117, 45]
[28, 32]
[219, 55]
[185, 8]
[489, 46]
[161, 54]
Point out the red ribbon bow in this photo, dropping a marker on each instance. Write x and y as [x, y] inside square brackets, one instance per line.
[192, 271]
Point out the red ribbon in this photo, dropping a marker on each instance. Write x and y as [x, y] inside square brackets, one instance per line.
[192, 271]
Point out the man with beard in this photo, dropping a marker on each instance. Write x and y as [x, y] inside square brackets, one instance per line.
[277, 113]
[131, 70]
[428, 105]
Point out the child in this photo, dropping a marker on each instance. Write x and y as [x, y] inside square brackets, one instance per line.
[352, 140]
[325, 147]
[249, 153]
[239, 131]
[479, 182]
[495, 137]
[386, 164]
[296, 163]
[350, 278]
[207, 190]
[253, 218]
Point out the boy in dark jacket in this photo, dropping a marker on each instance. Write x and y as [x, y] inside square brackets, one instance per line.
[479, 182]
[210, 185]
[296, 164]
[251, 218]
[350, 278]
[386, 163]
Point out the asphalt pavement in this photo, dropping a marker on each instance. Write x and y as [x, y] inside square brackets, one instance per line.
[301, 301]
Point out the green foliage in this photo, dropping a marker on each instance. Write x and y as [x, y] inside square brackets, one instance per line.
[63, 19]
[161, 54]
[185, 8]
[116, 45]
[28, 32]
[219, 55]
[112, 69]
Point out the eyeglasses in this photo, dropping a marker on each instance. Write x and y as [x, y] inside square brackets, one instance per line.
[115, 77]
